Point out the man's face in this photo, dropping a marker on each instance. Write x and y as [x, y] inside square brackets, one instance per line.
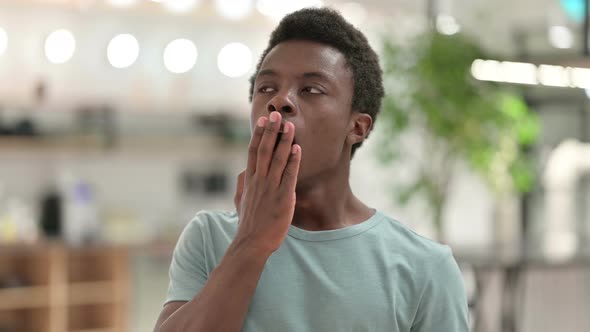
[311, 86]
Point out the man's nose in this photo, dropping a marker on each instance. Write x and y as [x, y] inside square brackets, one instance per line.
[281, 103]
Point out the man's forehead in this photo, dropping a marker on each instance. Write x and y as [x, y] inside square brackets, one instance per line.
[304, 56]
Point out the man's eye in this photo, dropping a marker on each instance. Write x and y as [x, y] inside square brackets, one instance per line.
[312, 90]
[265, 89]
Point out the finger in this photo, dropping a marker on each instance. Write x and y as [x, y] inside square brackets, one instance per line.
[254, 143]
[265, 150]
[289, 180]
[280, 156]
[239, 190]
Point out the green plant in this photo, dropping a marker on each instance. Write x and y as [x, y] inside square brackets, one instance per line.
[485, 125]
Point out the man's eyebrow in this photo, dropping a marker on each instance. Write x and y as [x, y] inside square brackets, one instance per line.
[267, 72]
[318, 74]
[314, 74]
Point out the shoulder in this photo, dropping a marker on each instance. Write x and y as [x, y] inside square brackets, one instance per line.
[209, 226]
[198, 250]
[209, 218]
[439, 288]
[413, 245]
[424, 255]
[211, 222]
[433, 265]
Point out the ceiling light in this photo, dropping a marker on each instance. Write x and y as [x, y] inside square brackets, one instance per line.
[122, 3]
[180, 56]
[234, 60]
[60, 46]
[518, 72]
[486, 70]
[554, 75]
[447, 25]
[180, 6]
[234, 9]
[560, 37]
[580, 77]
[122, 51]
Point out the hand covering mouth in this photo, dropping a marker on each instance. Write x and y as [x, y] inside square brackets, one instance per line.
[280, 135]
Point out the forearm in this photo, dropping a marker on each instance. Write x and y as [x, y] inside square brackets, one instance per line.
[223, 302]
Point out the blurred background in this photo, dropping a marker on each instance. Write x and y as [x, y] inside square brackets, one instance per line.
[120, 119]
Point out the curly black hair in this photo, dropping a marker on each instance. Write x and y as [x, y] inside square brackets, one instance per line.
[327, 26]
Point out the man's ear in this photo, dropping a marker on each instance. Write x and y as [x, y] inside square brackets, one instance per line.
[360, 126]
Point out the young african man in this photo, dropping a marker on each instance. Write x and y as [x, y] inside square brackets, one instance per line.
[302, 252]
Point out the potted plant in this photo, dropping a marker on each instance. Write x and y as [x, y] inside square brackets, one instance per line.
[430, 90]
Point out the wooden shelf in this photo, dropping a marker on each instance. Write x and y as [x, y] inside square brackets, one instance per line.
[24, 298]
[92, 317]
[25, 320]
[93, 293]
[74, 289]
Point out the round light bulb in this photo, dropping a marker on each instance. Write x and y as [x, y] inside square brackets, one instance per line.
[234, 9]
[234, 60]
[180, 56]
[561, 37]
[60, 46]
[180, 6]
[447, 25]
[123, 51]
[122, 3]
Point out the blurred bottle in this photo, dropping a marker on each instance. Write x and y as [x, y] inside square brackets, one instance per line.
[81, 218]
[51, 217]
[23, 215]
[82, 224]
[17, 220]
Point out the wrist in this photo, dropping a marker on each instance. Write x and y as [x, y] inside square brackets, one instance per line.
[247, 249]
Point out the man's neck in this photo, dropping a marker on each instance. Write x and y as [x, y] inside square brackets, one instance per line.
[329, 204]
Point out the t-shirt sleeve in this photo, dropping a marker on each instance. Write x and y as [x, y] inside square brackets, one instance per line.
[443, 303]
[188, 270]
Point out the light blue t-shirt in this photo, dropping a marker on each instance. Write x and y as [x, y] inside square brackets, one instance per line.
[377, 275]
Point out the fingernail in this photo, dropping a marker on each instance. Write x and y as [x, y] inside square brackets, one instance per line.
[286, 127]
[261, 121]
[274, 117]
[294, 149]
